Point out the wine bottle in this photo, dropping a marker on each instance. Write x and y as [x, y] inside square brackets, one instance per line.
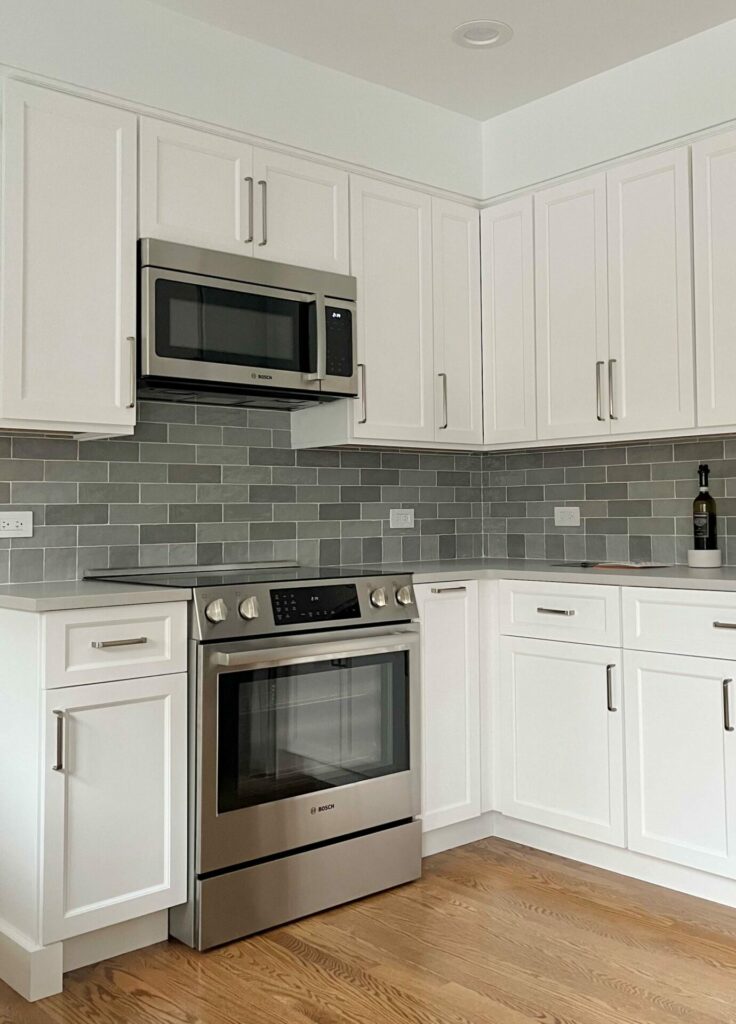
[705, 537]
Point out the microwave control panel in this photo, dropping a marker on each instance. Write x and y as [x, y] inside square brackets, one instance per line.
[339, 330]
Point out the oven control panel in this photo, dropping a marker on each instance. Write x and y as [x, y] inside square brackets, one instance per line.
[298, 605]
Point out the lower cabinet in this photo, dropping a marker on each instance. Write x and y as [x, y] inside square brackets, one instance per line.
[561, 735]
[681, 759]
[451, 769]
[114, 804]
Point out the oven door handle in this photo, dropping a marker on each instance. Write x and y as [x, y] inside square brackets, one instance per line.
[301, 654]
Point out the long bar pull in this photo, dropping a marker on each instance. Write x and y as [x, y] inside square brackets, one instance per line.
[555, 611]
[445, 420]
[727, 719]
[598, 392]
[611, 414]
[132, 344]
[609, 688]
[449, 590]
[264, 211]
[59, 765]
[100, 645]
[250, 210]
[363, 399]
[724, 625]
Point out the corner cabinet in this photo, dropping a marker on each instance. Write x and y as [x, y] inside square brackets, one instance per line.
[69, 205]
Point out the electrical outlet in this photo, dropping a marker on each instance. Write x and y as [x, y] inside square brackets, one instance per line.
[567, 516]
[401, 518]
[16, 524]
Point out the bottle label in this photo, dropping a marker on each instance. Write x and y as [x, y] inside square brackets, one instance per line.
[700, 525]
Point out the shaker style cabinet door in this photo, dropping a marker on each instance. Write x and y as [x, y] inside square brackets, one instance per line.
[457, 338]
[115, 803]
[301, 212]
[391, 257]
[68, 317]
[507, 255]
[572, 309]
[197, 188]
[450, 702]
[651, 365]
[714, 238]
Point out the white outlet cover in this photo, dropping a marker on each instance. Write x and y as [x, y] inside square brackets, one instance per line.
[567, 516]
[401, 518]
[16, 524]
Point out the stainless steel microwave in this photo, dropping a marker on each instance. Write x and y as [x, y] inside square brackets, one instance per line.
[242, 331]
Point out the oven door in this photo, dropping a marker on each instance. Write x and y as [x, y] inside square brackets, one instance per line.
[301, 743]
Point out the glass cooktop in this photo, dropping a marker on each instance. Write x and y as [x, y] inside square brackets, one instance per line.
[238, 575]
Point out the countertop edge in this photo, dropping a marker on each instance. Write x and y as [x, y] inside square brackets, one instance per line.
[117, 597]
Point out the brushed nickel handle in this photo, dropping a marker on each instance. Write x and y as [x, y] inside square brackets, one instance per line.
[598, 393]
[449, 590]
[58, 766]
[100, 645]
[443, 378]
[727, 720]
[555, 611]
[132, 343]
[611, 414]
[724, 625]
[609, 688]
[264, 211]
[363, 398]
[250, 210]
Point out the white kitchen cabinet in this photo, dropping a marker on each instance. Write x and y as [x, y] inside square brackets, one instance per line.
[561, 736]
[681, 759]
[457, 336]
[451, 770]
[114, 804]
[68, 321]
[651, 359]
[509, 382]
[714, 240]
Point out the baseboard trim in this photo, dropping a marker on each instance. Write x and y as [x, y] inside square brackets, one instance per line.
[464, 832]
[83, 950]
[31, 970]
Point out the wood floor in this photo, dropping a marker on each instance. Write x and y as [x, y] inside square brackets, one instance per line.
[493, 933]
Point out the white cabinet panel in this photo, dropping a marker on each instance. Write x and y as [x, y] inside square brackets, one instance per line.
[571, 309]
[681, 760]
[302, 212]
[507, 253]
[651, 368]
[391, 257]
[69, 262]
[562, 737]
[197, 188]
[714, 238]
[585, 613]
[701, 623]
[114, 838]
[457, 340]
[450, 702]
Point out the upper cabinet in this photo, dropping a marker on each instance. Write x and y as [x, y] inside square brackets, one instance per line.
[68, 317]
[507, 254]
[203, 189]
[714, 231]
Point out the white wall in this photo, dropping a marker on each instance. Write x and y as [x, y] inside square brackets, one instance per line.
[147, 54]
[680, 89]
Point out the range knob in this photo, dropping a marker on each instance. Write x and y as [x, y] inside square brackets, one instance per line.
[248, 609]
[404, 596]
[216, 611]
[378, 598]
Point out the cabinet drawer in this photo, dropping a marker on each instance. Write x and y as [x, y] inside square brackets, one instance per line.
[102, 644]
[581, 613]
[702, 623]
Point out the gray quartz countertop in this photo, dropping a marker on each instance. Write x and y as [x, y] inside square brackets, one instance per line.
[53, 597]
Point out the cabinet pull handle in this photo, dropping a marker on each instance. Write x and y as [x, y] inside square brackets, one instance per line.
[250, 210]
[728, 721]
[611, 414]
[59, 765]
[443, 378]
[555, 611]
[449, 590]
[609, 688]
[132, 343]
[724, 625]
[100, 645]
[264, 211]
[363, 398]
[598, 393]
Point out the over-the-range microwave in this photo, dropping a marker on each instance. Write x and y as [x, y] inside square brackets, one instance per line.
[236, 330]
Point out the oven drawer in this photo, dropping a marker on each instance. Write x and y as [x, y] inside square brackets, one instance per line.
[701, 623]
[583, 613]
[103, 644]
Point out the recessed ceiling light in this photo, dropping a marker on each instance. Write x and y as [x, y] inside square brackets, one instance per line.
[482, 34]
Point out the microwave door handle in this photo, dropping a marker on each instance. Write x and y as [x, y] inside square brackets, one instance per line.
[321, 371]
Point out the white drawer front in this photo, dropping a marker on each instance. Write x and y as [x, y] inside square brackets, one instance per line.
[698, 622]
[103, 644]
[580, 613]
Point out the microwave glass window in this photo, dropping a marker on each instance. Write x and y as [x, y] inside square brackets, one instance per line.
[220, 325]
[298, 729]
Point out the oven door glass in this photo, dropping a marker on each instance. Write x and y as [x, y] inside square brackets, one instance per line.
[258, 327]
[293, 729]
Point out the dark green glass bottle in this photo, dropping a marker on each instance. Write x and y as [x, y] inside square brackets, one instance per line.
[705, 536]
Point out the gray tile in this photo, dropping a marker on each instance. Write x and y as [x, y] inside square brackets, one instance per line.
[103, 451]
[516, 546]
[649, 453]
[627, 508]
[119, 493]
[43, 493]
[271, 457]
[23, 469]
[195, 513]
[640, 549]
[604, 456]
[168, 453]
[26, 565]
[168, 533]
[339, 511]
[136, 472]
[190, 473]
[272, 531]
[188, 433]
[45, 448]
[247, 512]
[82, 471]
[60, 564]
[58, 515]
[166, 412]
[637, 472]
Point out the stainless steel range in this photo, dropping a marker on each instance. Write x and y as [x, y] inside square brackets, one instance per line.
[304, 743]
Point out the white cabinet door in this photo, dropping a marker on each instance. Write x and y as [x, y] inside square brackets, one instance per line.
[651, 367]
[562, 737]
[714, 237]
[450, 702]
[302, 212]
[572, 309]
[196, 188]
[681, 759]
[457, 338]
[69, 262]
[507, 254]
[114, 835]
[391, 257]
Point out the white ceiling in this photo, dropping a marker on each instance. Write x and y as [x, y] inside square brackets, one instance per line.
[406, 44]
